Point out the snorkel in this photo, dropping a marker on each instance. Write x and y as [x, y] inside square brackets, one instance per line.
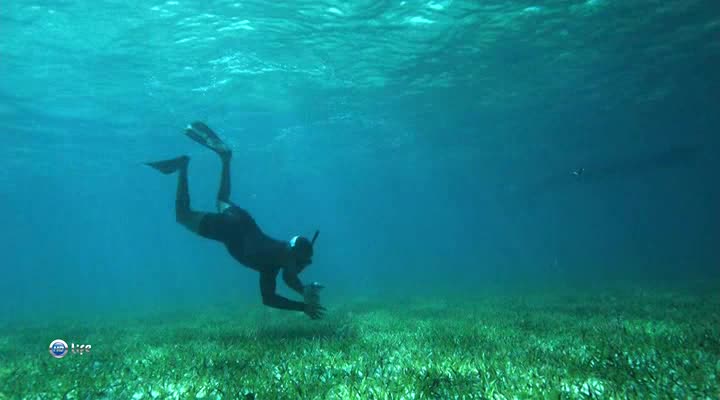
[312, 242]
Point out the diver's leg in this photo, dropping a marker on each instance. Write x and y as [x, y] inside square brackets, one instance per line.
[183, 214]
[223, 196]
[201, 133]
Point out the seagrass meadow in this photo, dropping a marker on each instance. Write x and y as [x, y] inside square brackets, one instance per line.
[610, 344]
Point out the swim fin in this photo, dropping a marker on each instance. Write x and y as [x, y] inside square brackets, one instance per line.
[169, 166]
[202, 134]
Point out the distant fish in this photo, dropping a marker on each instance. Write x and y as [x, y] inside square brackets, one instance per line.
[674, 157]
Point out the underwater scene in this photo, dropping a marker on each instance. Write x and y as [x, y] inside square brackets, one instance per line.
[435, 199]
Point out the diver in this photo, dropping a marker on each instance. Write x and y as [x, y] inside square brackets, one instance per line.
[578, 172]
[243, 238]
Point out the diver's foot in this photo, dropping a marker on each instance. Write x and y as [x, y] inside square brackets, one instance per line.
[202, 134]
[169, 166]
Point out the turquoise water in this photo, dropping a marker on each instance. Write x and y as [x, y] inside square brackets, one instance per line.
[429, 141]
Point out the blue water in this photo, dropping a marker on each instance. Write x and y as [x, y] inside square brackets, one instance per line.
[431, 142]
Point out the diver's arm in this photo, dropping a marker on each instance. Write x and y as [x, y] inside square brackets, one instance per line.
[293, 282]
[271, 299]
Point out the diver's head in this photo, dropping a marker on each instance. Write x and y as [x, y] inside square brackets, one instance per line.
[302, 250]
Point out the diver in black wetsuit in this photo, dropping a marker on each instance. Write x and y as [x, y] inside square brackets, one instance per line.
[237, 229]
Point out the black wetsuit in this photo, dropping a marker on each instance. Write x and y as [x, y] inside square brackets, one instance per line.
[246, 242]
[244, 239]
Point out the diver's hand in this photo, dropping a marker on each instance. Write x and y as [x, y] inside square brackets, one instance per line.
[314, 310]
